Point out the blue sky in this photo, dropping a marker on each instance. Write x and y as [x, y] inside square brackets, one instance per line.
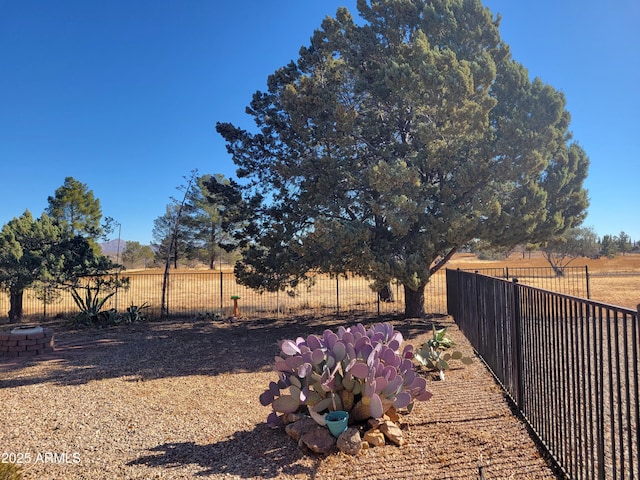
[124, 95]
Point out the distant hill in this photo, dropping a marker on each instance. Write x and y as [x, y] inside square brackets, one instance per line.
[112, 246]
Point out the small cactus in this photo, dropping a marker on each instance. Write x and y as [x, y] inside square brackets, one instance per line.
[433, 353]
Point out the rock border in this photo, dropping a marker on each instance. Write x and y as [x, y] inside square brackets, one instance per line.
[377, 432]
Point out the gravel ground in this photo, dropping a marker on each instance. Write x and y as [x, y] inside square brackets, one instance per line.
[179, 399]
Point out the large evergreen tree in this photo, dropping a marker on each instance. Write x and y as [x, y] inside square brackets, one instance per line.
[392, 142]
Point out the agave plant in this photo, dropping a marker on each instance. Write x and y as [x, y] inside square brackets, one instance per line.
[355, 369]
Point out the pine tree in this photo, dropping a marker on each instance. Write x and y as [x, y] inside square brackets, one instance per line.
[74, 206]
[43, 252]
[394, 141]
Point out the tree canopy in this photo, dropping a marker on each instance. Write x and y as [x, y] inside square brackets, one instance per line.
[393, 141]
[42, 252]
[136, 255]
[210, 218]
[74, 206]
[167, 244]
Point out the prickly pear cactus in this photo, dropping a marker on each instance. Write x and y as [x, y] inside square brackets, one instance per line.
[359, 370]
[434, 354]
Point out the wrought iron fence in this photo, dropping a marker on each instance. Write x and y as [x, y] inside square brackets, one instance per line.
[570, 365]
[209, 292]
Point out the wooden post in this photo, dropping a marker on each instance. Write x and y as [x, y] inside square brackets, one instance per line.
[236, 310]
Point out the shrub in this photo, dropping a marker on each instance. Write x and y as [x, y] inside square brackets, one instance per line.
[89, 301]
[135, 313]
[10, 471]
[354, 369]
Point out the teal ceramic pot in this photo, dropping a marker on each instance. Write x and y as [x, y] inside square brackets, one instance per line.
[337, 422]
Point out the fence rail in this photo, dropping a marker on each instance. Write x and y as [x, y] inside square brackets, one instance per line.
[209, 291]
[569, 364]
[569, 280]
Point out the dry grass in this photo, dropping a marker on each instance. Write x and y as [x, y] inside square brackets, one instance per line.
[615, 281]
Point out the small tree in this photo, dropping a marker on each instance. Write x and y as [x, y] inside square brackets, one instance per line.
[27, 248]
[572, 244]
[168, 242]
[608, 246]
[164, 309]
[136, 255]
[40, 252]
[623, 243]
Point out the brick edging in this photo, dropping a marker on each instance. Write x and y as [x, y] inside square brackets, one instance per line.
[26, 344]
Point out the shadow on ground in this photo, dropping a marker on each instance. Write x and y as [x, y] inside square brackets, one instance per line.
[260, 453]
[178, 348]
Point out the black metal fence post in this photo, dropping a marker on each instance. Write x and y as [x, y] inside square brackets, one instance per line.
[636, 375]
[516, 344]
[337, 295]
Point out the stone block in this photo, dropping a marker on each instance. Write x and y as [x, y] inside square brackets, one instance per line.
[27, 353]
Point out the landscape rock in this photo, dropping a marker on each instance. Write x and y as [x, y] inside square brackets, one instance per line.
[374, 423]
[350, 442]
[296, 429]
[375, 438]
[393, 415]
[288, 418]
[318, 440]
[392, 432]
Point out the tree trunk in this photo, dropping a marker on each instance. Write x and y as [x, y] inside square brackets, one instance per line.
[385, 294]
[414, 302]
[15, 301]
[212, 247]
